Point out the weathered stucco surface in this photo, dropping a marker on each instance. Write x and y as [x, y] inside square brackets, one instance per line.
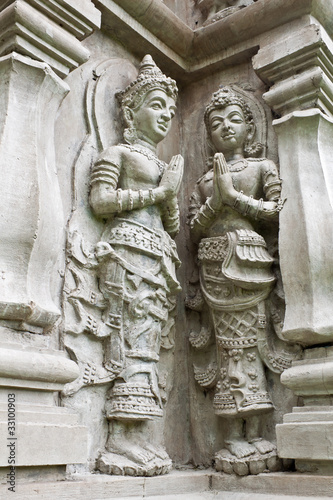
[60, 68]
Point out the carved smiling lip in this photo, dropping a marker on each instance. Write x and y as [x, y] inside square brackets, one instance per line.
[228, 136]
[163, 127]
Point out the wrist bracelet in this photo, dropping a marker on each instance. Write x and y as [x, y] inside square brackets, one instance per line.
[141, 198]
[152, 196]
[238, 199]
[210, 207]
[130, 199]
[248, 205]
[195, 221]
[202, 214]
[119, 200]
[259, 208]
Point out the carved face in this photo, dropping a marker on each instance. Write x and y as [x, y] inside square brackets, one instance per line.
[228, 129]
[152, 120]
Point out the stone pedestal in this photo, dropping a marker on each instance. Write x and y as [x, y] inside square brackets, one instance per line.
[307, 433]
[39, 432]
[180, 485]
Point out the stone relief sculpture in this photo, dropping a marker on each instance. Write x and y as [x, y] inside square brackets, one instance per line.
[232, 204]
[213, 10]
[123, 291]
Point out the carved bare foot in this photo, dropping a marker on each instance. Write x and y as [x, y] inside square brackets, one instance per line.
[91, 375]
[263, 446]
[240, 447]
[158, 451]
[130, 450]
[72, 387]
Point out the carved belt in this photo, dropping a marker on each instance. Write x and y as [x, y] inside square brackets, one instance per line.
[157, 244]
[235, 270]
[132, 234]
[213, 249]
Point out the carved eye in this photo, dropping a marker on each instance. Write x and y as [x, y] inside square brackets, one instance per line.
[156, 105]
[236, 118]
[215, 125]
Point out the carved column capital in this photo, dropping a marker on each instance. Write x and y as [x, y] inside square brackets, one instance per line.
[47, 31]
[299, 69]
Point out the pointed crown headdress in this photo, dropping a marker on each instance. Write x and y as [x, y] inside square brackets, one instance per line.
[150, 77]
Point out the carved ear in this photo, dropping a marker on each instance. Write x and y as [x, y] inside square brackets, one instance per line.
[128, 115]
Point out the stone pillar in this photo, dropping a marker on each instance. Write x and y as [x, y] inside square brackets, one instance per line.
[32, 221]
[298, 67]
[40, 43]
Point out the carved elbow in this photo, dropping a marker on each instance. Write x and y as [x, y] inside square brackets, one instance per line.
[96, 201]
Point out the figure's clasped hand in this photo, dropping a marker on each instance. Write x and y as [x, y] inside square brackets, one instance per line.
[224, 192]
[172, 177]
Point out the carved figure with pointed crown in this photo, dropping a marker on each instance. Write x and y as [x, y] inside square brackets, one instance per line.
[134, 265]
[237, 196]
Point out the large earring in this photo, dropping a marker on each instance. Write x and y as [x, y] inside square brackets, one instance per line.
[130, 135]
[253, 150]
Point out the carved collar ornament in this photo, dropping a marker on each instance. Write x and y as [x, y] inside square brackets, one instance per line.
[150, 78]
[241, 164]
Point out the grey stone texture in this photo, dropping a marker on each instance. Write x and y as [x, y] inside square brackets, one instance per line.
[61, 64]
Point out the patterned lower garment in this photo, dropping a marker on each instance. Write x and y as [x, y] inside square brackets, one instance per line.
[139, 283]
[235, 280]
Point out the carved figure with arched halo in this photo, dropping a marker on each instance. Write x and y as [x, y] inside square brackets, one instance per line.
[232, 202]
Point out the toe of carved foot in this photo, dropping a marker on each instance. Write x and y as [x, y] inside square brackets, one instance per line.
[253, 464]
[113, 464]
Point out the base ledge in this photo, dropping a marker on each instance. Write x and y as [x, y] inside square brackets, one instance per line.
[179, 485]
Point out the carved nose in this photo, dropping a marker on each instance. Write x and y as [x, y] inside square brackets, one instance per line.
[166, 115]
[225, 125]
